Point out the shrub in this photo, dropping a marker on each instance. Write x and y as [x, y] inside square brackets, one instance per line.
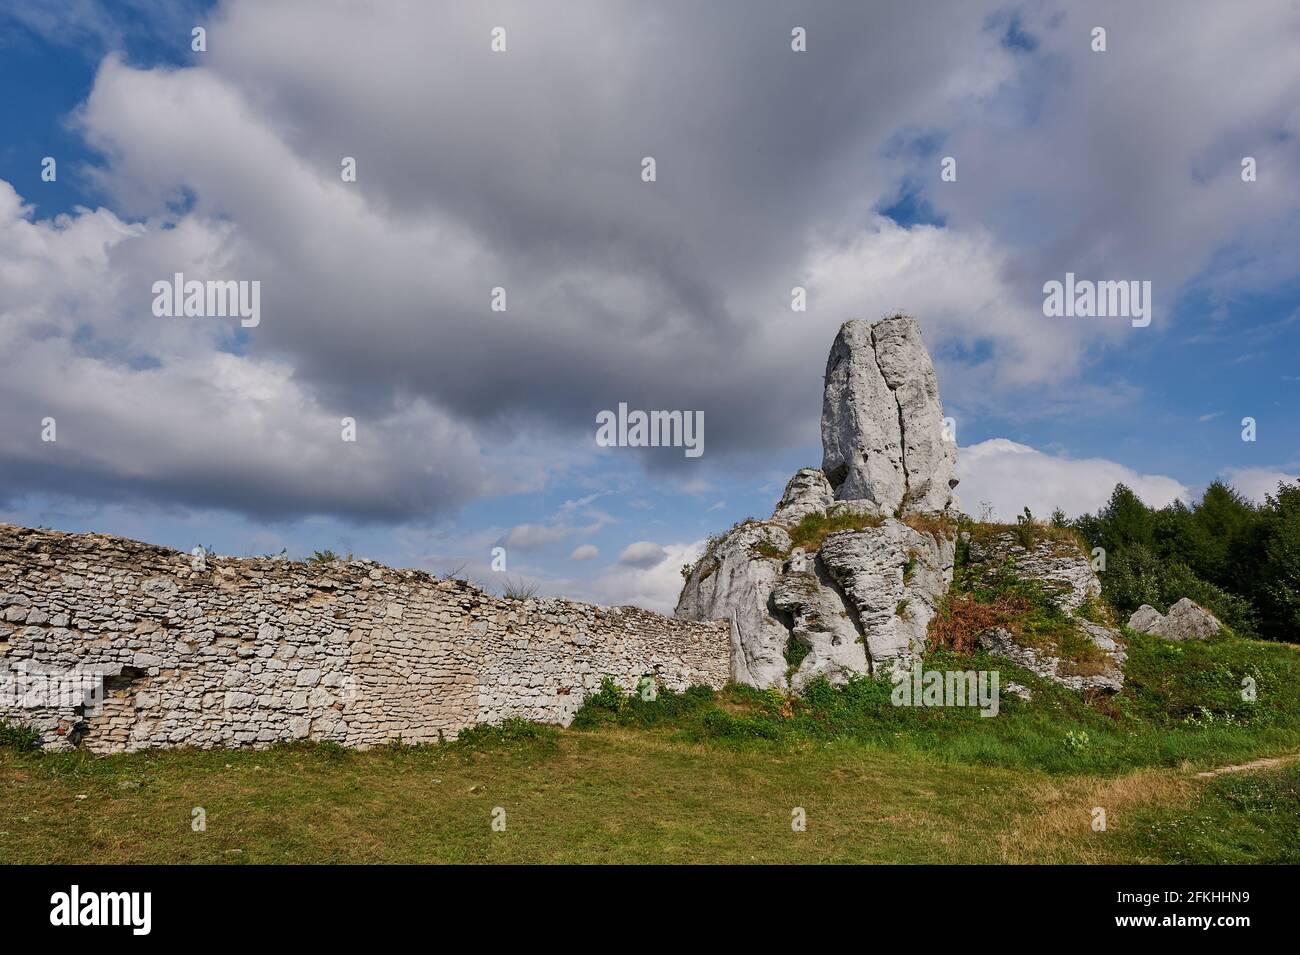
[962, 618]
[512, 730]
[611, 705]
[1000, 597]
[23, 739]
[795, 652]
[1025, 528]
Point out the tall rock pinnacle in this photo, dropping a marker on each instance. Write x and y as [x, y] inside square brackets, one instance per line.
[882, 424]
[857, 599]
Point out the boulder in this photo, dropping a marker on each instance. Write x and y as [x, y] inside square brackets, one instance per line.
[1186, 620]
[1145, 619]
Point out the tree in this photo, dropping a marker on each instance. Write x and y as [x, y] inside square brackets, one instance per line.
[1278, 578]
[1219, 534]
[1125, 521]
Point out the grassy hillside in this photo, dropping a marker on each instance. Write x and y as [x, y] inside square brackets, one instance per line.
[714, 777]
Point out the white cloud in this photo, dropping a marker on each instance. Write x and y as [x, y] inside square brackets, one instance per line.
[535, 536]
[584, 552]
[955, 283]
[642, 554]
[654, 588]
[167, 409]
[1255, 483]
[1013, 476]
[374, 298]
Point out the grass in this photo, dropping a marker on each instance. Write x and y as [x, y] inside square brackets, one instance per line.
[1182, 707]
[518, 591]
[1237, 818]
[813, 529]
[705, 776]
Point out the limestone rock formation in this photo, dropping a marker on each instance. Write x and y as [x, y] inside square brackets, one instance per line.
[1060, 566]
[883, 439]
[893, 578]
[1186, 620]
[807, 493]
[1110, 678]
[820, 620]
[1066, 575]
[734, 581]
[860, 598]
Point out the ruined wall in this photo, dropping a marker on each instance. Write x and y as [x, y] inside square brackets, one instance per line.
[252, 651]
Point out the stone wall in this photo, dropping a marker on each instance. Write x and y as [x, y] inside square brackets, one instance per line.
[247, 652]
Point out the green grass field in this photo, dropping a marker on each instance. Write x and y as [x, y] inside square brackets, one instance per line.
[715, 777]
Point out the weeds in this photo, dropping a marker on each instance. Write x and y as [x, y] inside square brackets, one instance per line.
[20, 738]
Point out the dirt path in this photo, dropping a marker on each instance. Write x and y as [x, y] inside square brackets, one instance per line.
[1251, 766]
[1056, 827]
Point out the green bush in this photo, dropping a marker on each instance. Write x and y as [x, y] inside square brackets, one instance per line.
[512, 730]
[610, 705]
[16, 736]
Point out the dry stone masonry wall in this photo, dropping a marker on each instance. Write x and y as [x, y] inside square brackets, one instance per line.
[255, 651]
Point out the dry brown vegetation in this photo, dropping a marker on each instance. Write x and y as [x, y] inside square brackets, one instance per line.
[937, 525]
[962, 619]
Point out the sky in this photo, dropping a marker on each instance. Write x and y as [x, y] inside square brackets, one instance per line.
[522, 169]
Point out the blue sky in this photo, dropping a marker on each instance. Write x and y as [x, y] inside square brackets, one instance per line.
[776, 169]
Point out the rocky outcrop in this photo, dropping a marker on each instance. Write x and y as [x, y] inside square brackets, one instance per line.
[807, 493]
[821, 620]
[1065, 575]
[1109, 678]
[733, 581]
[861, 598]
[1060, 566]
[893, 577]
[1186, 620]
[882, 426]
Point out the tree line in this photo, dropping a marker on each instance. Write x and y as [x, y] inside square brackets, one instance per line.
[1238, 559]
